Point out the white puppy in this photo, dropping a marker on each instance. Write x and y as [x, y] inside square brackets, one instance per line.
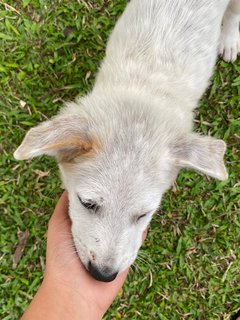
[121, 147]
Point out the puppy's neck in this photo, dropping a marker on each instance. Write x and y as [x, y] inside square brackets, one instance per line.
[164, 85]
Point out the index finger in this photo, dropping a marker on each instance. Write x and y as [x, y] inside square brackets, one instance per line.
[60, 213]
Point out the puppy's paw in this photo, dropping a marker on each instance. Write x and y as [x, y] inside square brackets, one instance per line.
[229, 47]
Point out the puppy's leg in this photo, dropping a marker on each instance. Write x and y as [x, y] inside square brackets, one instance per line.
[230, 38]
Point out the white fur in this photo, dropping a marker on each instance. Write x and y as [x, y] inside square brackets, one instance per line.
[158, 62]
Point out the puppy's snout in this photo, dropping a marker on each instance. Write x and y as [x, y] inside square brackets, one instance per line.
[104, 274]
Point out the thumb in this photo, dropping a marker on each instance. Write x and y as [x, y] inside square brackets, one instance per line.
[60, 224]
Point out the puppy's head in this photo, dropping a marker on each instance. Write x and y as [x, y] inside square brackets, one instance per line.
[116, 165]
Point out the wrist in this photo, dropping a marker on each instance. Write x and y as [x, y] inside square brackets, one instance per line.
[55, 301]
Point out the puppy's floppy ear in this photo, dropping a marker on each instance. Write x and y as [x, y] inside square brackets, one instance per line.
[64, 137]
[204, 154]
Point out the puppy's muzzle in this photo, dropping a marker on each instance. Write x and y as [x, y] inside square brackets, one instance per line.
[104, 274]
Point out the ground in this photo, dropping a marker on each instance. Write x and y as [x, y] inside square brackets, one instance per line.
[188, 267]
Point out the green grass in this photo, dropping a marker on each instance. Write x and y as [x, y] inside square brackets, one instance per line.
[189, 267]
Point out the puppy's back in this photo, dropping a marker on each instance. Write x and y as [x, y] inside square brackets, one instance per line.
[177, 38]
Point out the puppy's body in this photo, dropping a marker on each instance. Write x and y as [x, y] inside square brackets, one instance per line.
[164, 47]
[167, 48]
[121, 147]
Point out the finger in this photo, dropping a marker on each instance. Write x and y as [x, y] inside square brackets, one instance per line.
[110, 290]
[59, 224]
[61, 209]
[118, 282]
[145, 233]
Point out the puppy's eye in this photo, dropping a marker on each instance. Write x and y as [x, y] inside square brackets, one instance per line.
[88, 204]
[142, 216]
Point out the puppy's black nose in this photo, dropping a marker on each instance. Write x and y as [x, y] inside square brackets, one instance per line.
[103, 275]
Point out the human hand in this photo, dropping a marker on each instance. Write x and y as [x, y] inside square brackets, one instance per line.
[68, 290]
